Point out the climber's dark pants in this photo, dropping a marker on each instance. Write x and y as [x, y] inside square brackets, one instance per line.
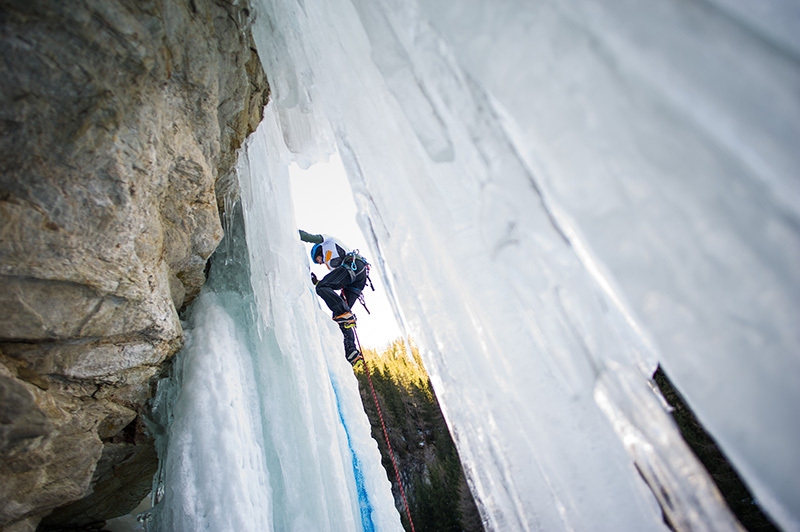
[350, 283]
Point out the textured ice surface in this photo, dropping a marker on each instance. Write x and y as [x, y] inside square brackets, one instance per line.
[261, 423]
[561, 195]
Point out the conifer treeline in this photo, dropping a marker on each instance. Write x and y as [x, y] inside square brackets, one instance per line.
[429, 465]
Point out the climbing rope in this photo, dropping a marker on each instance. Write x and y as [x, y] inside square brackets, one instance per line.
[385, 434]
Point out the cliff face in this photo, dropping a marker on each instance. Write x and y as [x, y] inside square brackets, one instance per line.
[118, 120]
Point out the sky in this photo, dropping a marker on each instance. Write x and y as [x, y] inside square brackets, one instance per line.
[323, 203]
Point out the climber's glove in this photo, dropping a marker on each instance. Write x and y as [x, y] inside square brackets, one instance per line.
[314, 280]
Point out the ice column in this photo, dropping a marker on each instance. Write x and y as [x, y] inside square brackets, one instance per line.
[260, 426]
[568, 193]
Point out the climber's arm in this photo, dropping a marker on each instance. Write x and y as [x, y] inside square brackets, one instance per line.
[308, 237]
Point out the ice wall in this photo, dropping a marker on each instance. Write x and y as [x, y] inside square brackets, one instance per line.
[260, 427]
[562, 195]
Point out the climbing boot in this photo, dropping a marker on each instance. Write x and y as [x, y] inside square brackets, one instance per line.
[345, 317]
[354, 356]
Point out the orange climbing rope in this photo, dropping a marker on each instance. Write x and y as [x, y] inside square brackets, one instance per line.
[385, 434]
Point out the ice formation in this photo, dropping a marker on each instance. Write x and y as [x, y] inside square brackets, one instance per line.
[260, 426]
[559, 197]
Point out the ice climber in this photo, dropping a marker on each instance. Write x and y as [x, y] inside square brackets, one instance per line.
[342, 286]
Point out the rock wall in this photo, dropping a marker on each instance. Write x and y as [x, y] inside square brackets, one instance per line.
[117, 119]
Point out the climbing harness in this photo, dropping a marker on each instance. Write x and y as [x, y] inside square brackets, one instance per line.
[385, 433]
[349, 262]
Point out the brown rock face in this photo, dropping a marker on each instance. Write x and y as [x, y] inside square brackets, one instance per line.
[117, 118]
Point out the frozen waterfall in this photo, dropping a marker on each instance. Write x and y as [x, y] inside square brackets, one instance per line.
[559, 197]
[261, 422]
